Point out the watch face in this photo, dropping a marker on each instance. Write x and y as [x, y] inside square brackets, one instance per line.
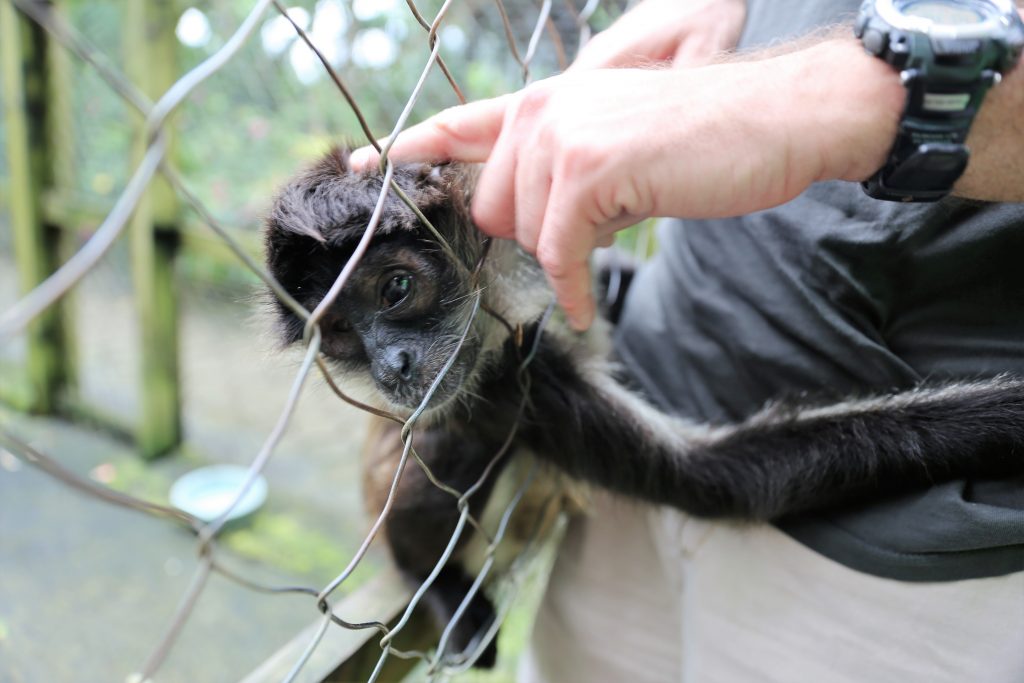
[947, 12]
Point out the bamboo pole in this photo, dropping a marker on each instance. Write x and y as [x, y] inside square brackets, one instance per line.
[37, 246]
[150, 49]
[60, 132]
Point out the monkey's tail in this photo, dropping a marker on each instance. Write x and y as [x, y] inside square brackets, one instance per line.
[790, 458]
[785, 459]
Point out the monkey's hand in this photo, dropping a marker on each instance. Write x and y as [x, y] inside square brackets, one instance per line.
[685, 33]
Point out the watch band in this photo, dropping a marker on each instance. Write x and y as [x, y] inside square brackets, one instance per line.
[929, 153]
[948, 54]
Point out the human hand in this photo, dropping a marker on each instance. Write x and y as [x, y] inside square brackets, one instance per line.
[686, 32]
[574, 158]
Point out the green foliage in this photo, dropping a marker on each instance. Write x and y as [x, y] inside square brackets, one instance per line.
[256, 120]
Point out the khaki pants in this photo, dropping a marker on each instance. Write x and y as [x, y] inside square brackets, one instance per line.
[644, 595]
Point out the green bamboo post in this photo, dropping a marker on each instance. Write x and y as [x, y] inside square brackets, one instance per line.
[60, 133]
[37, 246]
[150, 55]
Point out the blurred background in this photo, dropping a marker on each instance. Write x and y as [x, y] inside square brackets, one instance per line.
[161, 360]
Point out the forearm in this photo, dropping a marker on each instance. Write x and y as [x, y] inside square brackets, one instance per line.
[996, 169]
[756, 130]
[853, 102]
[842, 108]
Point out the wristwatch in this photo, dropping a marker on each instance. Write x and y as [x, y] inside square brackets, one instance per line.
[948, 53]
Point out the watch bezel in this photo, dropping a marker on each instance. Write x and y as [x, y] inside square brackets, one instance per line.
[887, 10]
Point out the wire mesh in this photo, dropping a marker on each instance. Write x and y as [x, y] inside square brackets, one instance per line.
[567, 28]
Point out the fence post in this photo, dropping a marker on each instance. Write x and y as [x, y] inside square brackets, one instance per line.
[37, 245]
[150, 49]
[60, 135]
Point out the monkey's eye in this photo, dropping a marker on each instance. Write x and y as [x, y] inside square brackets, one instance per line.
[396, 289]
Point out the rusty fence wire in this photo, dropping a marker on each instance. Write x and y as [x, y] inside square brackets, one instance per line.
[489, 15]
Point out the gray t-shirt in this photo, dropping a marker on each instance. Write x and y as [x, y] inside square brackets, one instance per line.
[837, 294]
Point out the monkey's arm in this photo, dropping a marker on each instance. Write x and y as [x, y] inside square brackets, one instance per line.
[424, 517]
[783, 459]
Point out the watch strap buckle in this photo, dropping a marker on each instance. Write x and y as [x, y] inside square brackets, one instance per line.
[925, 175]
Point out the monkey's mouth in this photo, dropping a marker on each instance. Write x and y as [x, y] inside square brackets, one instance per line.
[412, 396]
[429, 387]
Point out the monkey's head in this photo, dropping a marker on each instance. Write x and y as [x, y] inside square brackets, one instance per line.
[398, 319]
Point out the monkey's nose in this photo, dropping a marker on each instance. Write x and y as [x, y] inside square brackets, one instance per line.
[399, 363]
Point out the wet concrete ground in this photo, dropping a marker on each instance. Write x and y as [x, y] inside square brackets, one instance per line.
[85, 588]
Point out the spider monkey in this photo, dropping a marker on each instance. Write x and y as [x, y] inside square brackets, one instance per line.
[400, 317]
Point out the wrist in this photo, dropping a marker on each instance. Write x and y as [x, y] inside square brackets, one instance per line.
[996, 143]
[848, 108]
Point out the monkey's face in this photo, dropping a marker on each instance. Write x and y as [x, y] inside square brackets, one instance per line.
[398, 319]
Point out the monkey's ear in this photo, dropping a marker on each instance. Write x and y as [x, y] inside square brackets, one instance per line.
[336, 161]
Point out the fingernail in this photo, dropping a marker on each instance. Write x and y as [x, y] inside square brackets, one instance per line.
[581, 321]
[359, 159]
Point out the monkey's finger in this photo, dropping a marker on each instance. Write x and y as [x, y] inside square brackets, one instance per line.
[465, 133]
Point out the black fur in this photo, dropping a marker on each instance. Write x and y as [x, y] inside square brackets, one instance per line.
[424, 517]
[784, 460]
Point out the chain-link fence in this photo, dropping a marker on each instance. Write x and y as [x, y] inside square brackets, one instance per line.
[530, 35]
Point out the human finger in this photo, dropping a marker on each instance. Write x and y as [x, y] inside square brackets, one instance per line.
[648, 33]
[532, 194]
[715, 31]
[572, 288]
[612, 52]
[494, 209]
[563, 249]
[497, 197]
[464, 133]
[698, 50]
